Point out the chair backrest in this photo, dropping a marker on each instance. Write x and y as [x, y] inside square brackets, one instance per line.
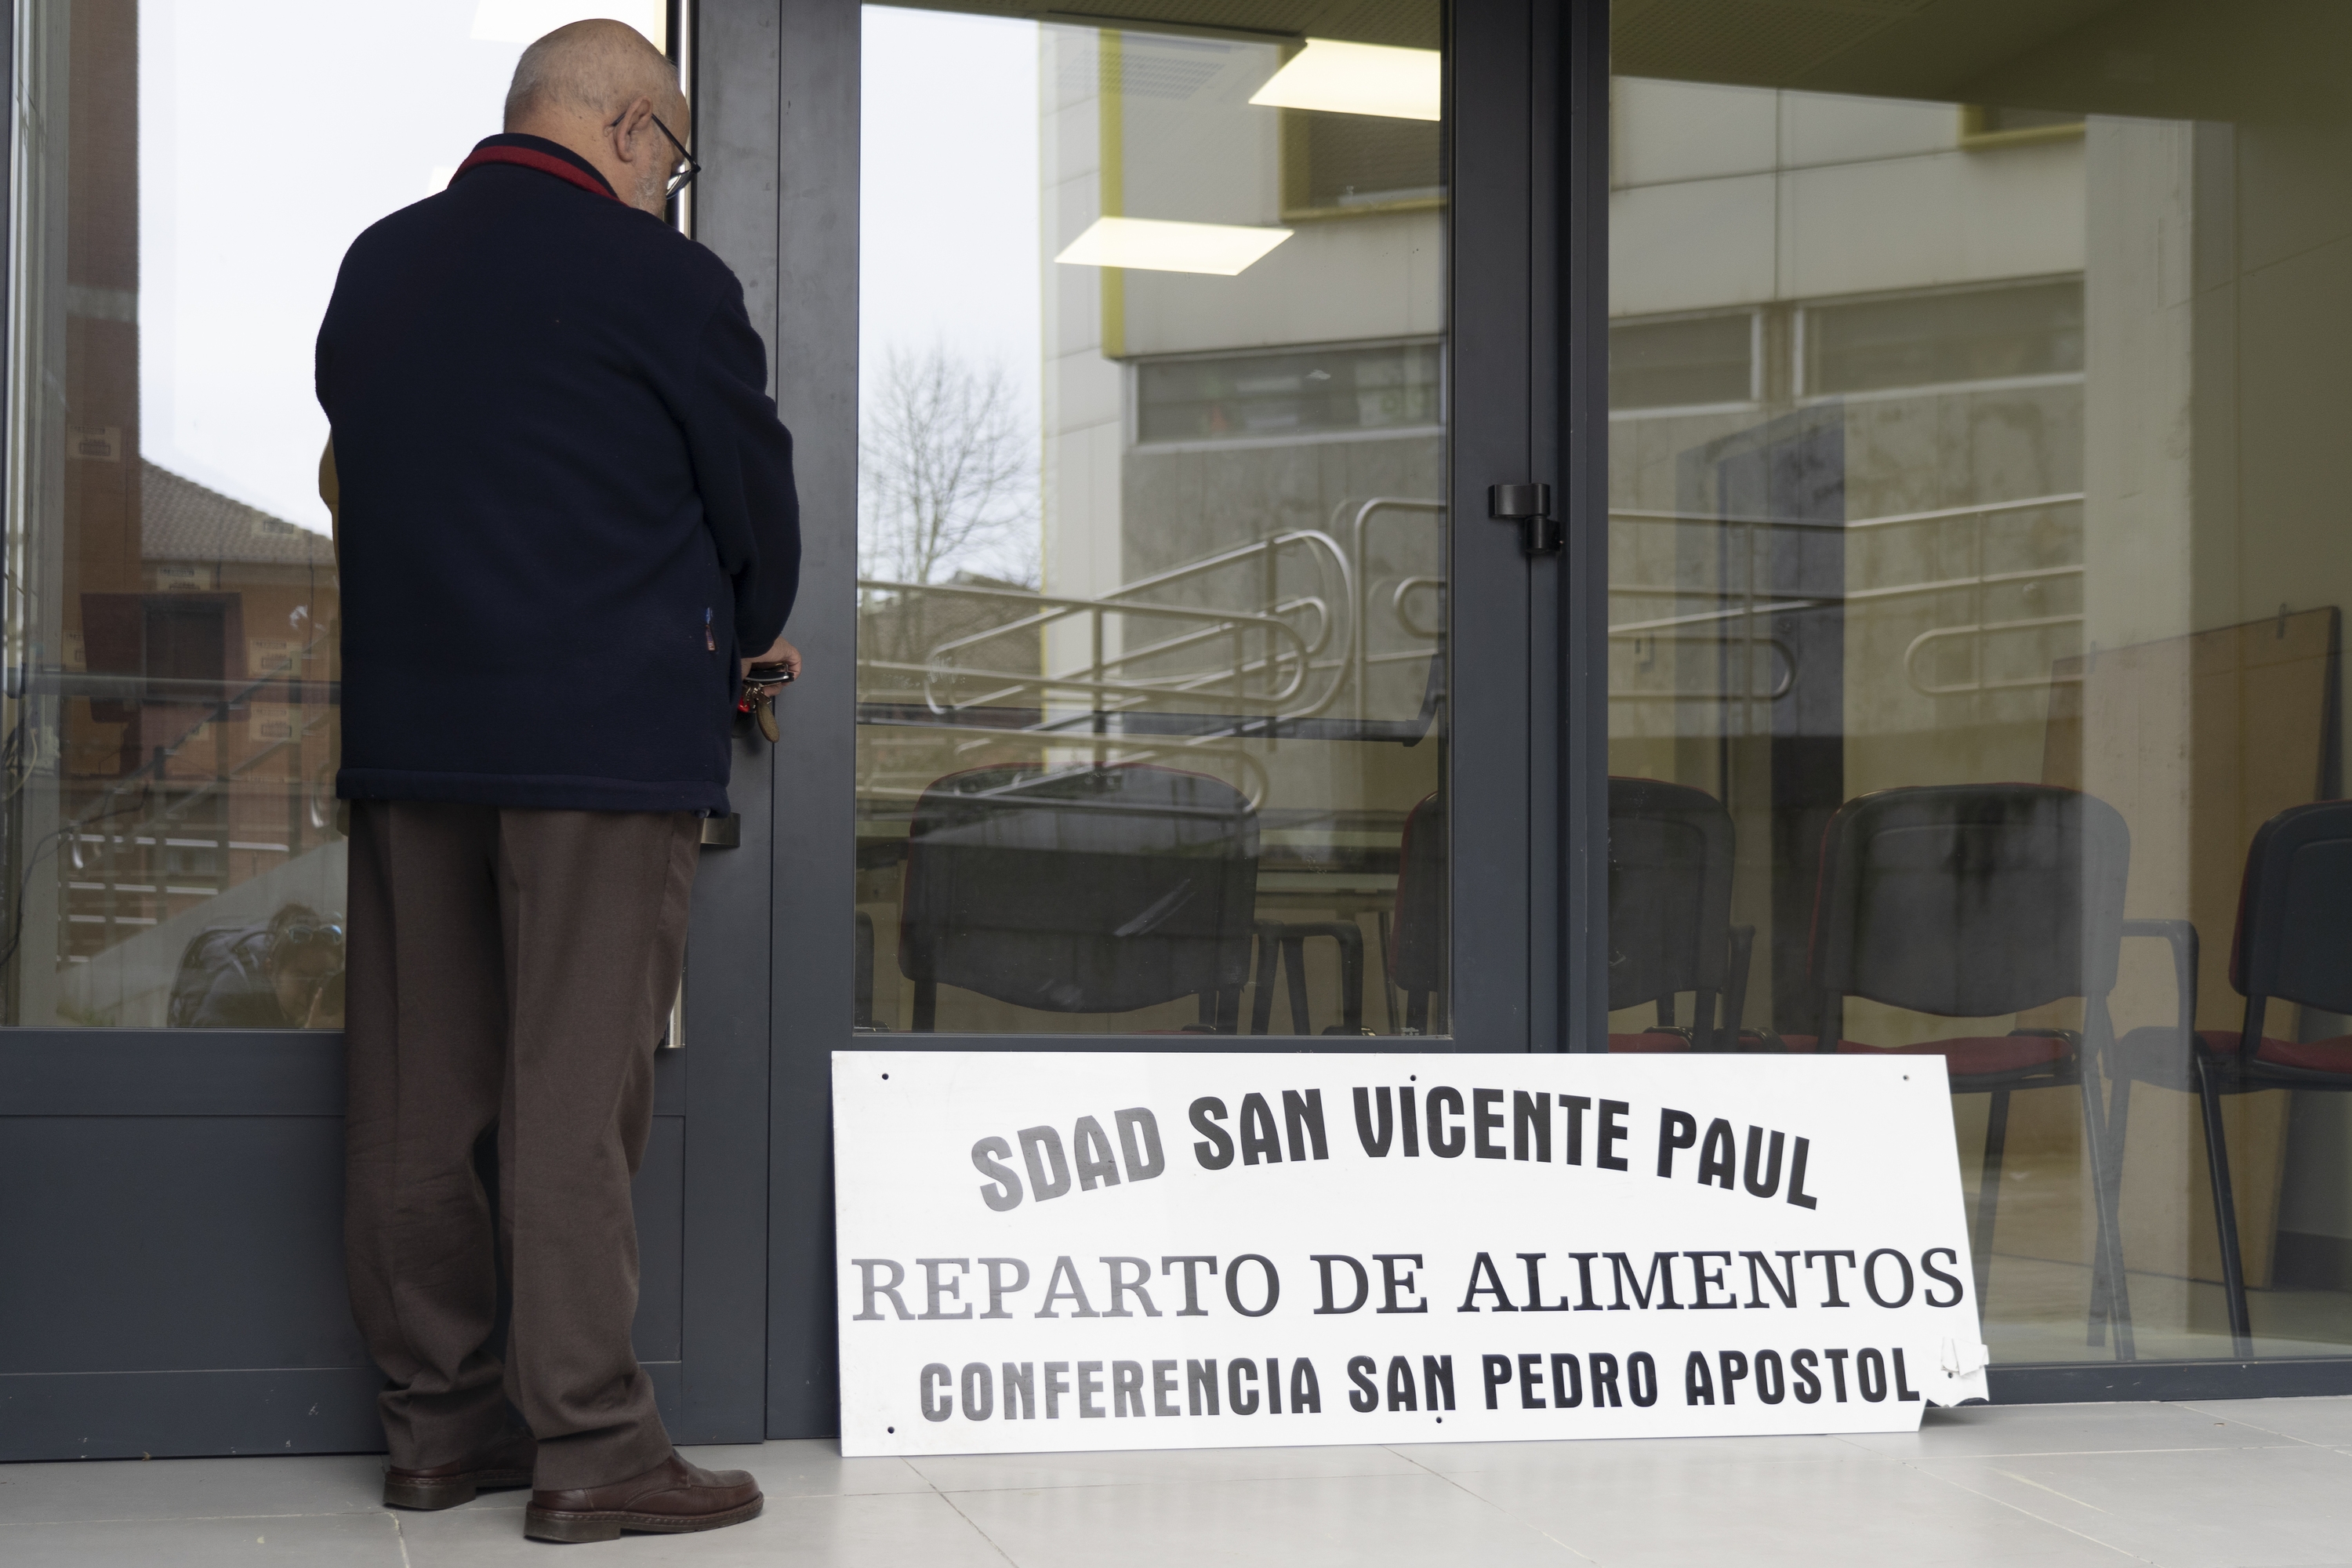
[2294, 909]
[1417, 934]
[1088, 890]
[1970, 901]
[1670, 863]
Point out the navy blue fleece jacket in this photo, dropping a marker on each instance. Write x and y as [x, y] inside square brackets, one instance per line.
[566, 501]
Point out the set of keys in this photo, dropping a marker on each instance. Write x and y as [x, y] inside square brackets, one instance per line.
[761, 684]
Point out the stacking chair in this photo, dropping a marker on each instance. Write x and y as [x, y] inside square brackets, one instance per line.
[1282, 955]
[2294, 942]
[1084, 889]
[1670, 865]
[1416, 940]
[1968, 901]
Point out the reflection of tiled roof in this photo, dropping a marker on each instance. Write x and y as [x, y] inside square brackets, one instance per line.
[180, 519]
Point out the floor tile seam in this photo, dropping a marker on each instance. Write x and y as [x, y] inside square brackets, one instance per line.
[977, 1529]
[191, 1518]
[400, 1537]
[1491, 1505]
[1144, 1482]
[2241, 1420]
[2018, 1508]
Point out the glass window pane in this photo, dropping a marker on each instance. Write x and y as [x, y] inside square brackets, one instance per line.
[1151, 533]
[172, 848]
[1966, 685]
[1689, 363]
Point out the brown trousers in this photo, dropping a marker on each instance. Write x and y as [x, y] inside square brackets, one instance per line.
[513, 969]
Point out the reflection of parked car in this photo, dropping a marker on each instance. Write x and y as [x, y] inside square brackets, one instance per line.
[285, 974]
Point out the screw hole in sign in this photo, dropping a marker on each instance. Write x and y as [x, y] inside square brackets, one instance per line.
[885, 1078]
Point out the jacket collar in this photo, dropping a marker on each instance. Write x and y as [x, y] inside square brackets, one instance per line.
[540, 154]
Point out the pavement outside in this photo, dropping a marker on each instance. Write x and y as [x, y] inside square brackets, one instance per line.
[2232, 1484]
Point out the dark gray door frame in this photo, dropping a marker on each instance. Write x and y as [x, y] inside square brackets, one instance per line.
[1511, 847]
[171, 1270]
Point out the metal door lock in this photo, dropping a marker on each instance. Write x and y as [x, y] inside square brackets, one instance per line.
[1530, 506]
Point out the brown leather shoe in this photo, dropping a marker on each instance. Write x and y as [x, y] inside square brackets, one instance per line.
[502, 1467]
[671, 1498]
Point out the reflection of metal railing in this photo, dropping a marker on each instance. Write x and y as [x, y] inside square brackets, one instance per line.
[1739, 617]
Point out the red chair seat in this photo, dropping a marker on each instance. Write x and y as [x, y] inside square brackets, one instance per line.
[1656, 1041]
[1965, 1055]
[2311, 1055]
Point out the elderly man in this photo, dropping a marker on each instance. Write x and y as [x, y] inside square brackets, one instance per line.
[567, 526]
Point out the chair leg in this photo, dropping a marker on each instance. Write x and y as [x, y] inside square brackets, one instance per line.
[1416, 1012]
[1269, 964]
[1989, 1192]
[1387, 978]
[927, 1006]
[1352, 977]
[2107, 1255]
[2118, 1131]
[2225, 1211]
[1294, 964]
[1705, 1035]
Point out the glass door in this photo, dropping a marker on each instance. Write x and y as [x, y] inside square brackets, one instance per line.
[1976, 566]
[170, 991]
[1153, 526]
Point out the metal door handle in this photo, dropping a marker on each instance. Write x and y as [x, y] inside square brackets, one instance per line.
[1530, 506]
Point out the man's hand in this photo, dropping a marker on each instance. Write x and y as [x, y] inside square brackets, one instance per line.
[783, 653]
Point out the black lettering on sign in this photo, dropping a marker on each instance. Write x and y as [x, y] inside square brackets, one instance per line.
[1095, 1166]
[1446, 1142]
[1090, 1389]
[1436, 1378]
[934, 1288]
[869, 1290]
[1302, 1116]
[1201, 1387]
[1375, 1144]
[1733, 1367]
[933, 1386]
[1703, 1280]
[1902, 1378]
[1870, 1276]
[1365, 1396]
[1698, 1383]
[1273, 1386]
[1401, 1384]
[1193, 1308]
[1829, 1259]
[1324, 1260]
[1585, 1303]
[1797, 1194]
[1604, 1381]
[1496, 1370]
[1408, 1123]
[1487, 1116]
[1306, 1391]
[1870, 1371]
[1241, 1401]
[1391, 1281]
[1771, 1383]
[1530, 1113]
[1056, 1385]
[1641, 1379]
[1677, 1129]
[1927, 1267]
[1808, 1387]
[1573, 1150]
[1163, 1389]
[1613, 1131]
[1234, 1285]
[1786, 1291]
[1661, 1279]
[1126, 1388]
[978, 1386]
[1122, 1287]
[1567, 1381]
[1535, 1285]
[1049, 1169]
[1064, 1269]
[1139, 1141]
[1484, 1265]
[997, 1289]
[1762, 1187]
[1003, 1189]
[1216, 1150]
[1837, 1370]
[1020, 1389]
[1715, 1156]
[1531, 1382]
[1260, 1141]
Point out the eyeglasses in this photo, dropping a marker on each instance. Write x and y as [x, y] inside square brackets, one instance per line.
[682, 176]
[304, 935]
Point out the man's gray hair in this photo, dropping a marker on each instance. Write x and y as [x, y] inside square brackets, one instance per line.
[596, 68]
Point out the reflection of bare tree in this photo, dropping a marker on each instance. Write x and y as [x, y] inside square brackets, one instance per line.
[949, 473]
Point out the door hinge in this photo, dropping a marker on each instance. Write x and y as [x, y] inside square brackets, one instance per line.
[1530, 506]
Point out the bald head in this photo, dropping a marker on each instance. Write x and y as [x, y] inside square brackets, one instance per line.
[595, 88]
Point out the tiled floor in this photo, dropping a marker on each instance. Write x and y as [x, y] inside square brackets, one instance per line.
[2240, 1484]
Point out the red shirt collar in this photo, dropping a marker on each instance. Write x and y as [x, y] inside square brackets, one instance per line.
[532, 158]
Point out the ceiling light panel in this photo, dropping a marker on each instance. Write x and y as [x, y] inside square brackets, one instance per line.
[1358, 78]
[1155, 245]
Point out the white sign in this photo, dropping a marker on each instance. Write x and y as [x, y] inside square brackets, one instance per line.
[1043, 1251]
